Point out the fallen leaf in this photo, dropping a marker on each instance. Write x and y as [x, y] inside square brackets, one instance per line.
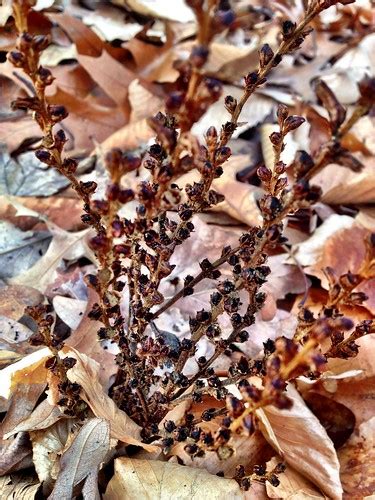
[19, 486]
[302, 441]
[64, 245]
[42, 417]
[15, 454]
[293, 486]
[28, 370]
[27, 176]
[69, 310]
[357, 460]
[86, 373]
[47, 447]
[308, 252]
[154, 479]
[178, 11]
[14, 299]
[20, 250]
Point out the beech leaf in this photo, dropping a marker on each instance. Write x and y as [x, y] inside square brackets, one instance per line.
[149, 480]
[86, 373]
[302, 441]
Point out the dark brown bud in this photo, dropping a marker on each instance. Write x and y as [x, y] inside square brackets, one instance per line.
[199, 55]
[16, 58]
[222, 154]
[225, 17]
[276, 138]
[288, 28]
[265, 55]
[282, 113]
[57, 113]
[264, 173]
[40, 42]
[24, 42]
[88, 187]
[230, 103]
[44, 156]
[70, 165]
[292, 123]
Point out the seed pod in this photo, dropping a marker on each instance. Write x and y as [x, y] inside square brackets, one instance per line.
[16, 58]
[292, 123]
[288, 28]
[57, 113]
[265, 55]
[230, 103]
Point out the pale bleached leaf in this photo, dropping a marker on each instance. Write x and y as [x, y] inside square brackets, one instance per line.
[151, 480]
[85, 454]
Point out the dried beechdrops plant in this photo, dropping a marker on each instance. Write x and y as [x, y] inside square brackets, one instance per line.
[135, 254]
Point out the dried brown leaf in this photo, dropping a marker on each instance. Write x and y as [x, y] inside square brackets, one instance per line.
[86, 373]
[64, 245]
[19, 486]
[85, 454]
[48, 444]
[302, 441]
[154, 479]
[293, 486]
[357, 460]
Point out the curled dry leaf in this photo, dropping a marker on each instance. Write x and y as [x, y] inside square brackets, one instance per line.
[15, 454]
[86, 373]
[42, 417]
[292, 484]
[47, 447]
[84, 455]
[155, 479]
[28, 370]
[302, 441]
[357, 460]
[19, 486]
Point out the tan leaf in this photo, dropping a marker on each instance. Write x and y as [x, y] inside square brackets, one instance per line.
[19, 486]
[176, 11]
[153, 479]
[143, 103]
[47, 447]
[14, 299]
[64, 245]
[86, 373]
[341, 186]
[293, 485]
[85, 454]
[114, 79]
[357, 460]
[84, 339]
[21, 405]
[42, 417]
[302, 441]
[130, 136]
[28, 370]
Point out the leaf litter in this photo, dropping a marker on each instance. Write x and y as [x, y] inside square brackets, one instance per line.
[114, 70]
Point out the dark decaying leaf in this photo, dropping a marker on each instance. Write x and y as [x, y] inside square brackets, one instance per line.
[336, 110]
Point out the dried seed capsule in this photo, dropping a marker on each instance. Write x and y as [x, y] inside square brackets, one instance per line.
[288, 28]
[16, 58]
[44, 156]
[230, 103]
[292, 123]
[265, 55]
[57, 113]
[40, 42]
[264, 173]
[199, 55]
